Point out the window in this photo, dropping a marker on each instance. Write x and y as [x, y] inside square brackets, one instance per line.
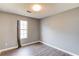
[23, 29]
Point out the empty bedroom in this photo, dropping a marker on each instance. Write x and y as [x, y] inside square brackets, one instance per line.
[39, 29]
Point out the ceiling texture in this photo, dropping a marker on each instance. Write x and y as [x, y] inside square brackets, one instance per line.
[48, 9]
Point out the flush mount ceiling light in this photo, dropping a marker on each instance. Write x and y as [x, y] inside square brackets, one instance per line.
[36, 7]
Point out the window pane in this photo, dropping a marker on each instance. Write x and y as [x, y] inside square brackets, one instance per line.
[23, 24]
[23, 34]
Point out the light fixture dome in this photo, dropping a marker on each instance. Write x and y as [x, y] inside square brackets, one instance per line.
[36, 7]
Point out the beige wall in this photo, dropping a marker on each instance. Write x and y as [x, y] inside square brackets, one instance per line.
[62, 30]
[8, 30]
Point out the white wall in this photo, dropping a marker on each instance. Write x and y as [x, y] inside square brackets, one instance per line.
[62, 30]
[8, 30]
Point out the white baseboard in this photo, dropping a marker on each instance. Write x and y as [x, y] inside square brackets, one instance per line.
[8, 49]
[17, 46]
[37, 42]
[30, 43]
[60, 49]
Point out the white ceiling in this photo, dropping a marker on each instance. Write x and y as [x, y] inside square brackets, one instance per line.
[47, 8]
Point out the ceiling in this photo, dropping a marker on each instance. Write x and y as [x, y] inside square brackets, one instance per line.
[47, 8]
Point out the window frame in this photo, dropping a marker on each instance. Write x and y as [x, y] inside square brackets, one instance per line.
[25, 29]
